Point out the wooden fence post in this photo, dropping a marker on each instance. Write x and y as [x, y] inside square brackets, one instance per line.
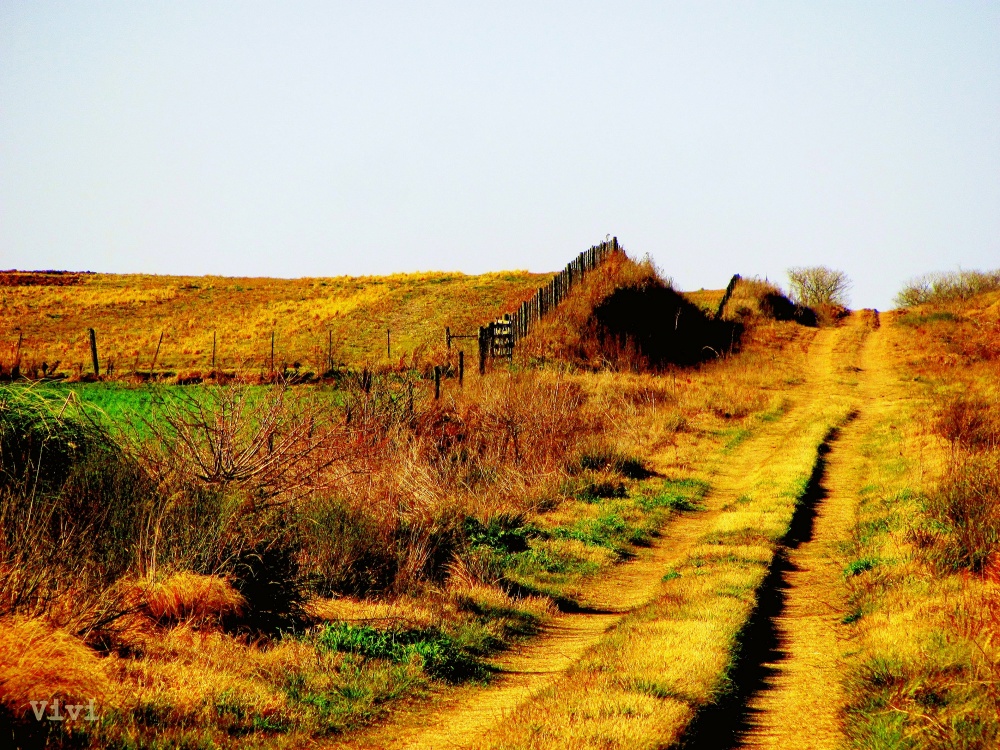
[156, 355]
[213, 350]
[727, 295]
[447, 336]
[482, 350]
[461, 368]
[93, 352]
[15, 371]
[437, 382]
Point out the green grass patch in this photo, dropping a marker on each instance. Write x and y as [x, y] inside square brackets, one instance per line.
[677, 494]
[441, 655]
[609, 530]
[735, 436]
[857, 567]
[915, 319]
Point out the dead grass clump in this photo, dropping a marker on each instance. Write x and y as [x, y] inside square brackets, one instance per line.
[346, 548]
[490, 599]
[192, 597]
[200, 680]
[405, 611]
[732, 399]
[39, 662]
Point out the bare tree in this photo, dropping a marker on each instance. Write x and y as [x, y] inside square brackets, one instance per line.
[818, 285]
[264, 440]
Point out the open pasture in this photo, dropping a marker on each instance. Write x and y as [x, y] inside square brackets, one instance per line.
[313, 321]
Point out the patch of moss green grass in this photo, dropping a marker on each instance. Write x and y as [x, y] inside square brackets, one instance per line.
[591, 531]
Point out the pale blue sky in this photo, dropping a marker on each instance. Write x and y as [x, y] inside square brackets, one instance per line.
[323, 138]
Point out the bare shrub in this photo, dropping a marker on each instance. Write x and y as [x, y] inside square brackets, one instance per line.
[817, 286]
[969, 423]
[283, 492]
[947, 286]
[267, 442]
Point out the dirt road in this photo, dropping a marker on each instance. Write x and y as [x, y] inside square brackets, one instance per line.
[803, 675]
[797, 703]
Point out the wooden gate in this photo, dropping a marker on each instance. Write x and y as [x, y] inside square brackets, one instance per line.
[496, 340]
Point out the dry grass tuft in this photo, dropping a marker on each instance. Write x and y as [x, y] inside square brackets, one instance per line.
[489, 598]
[39, 662]
[403, 611]
[193, 597]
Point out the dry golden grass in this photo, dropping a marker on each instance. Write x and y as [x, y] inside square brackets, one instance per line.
[595, 715]
[39, 662]
[432, 608]
[643, 683]
[186, 674]
[192, 597]
[500, 447]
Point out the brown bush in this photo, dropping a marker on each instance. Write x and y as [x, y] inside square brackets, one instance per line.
[966, 505]
[969, 422]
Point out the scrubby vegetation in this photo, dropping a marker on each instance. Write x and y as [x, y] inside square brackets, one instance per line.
[824, 291]
[232, 513]
[818, 286]
[923, 581]
[948, 286]
[627, 316]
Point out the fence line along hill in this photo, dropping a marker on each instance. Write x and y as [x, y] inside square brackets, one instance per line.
[47, 317]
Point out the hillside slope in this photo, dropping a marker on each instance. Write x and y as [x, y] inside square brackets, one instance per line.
[130, 311]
